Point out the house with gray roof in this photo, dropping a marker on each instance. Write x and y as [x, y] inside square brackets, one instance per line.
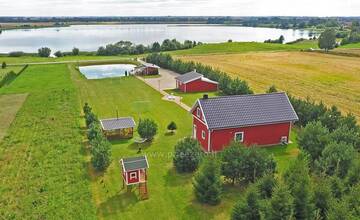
[262, 119]
[195, 82]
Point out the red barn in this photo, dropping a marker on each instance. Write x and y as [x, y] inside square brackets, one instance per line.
[263, 120]
[195, 82]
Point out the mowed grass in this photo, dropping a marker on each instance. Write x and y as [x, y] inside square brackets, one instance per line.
[170, 193]
[8, 69]
[10, 104]
[42, 165]
[332, 79]
[243, 47]
[190, 98]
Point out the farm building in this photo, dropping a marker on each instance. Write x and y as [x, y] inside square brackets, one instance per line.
[134, 172]
[263, 120]
[195, 82]
[118, 127]
[146, 69]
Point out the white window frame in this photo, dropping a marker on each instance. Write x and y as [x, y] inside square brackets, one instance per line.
[198, 114]
[242, 136]
[194, 132]
[133, 175]
[203, 134]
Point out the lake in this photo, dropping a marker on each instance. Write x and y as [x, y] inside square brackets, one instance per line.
[106, 71]
[90, 37]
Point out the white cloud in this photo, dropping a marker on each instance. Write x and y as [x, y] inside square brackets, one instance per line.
[179, 7]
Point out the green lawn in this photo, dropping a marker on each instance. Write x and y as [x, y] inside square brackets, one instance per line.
[42, 167]
[190, 98]
[243, 47]
[8, 69]
[355, 45]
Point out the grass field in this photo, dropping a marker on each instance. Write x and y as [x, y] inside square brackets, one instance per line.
[190, 98]
[42, 169]
[16, 69]
[10, 104]
[243, 47]
[333, 79]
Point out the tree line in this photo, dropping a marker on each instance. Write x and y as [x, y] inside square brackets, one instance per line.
[127, 47]
[227, 85]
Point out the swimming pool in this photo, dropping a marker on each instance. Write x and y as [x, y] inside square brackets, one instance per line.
[106, 71]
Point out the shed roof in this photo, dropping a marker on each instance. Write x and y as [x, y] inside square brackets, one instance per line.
[188, 77]
[134, 163]
[117, 123]
[247, 110]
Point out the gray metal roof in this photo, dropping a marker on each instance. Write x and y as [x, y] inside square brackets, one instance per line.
[117, 123]
[134, 163]
[189, 77]
[247, 110]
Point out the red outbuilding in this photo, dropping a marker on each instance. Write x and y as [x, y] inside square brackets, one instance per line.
[134, 172]
[195, 82]
[263, 120]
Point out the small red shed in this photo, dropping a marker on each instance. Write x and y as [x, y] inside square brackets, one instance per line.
[146, 69]
[263, 120]
[195, 82]
[134, 172]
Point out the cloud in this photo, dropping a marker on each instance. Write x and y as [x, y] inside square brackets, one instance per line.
[179, 7]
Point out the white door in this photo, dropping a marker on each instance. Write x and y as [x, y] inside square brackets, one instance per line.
[194, 131]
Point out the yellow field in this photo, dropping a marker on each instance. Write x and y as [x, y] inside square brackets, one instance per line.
[333, 79]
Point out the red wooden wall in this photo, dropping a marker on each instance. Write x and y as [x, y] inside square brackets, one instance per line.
[197, 86]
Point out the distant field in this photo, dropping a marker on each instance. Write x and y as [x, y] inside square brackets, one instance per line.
[243, 47]
[333, 79]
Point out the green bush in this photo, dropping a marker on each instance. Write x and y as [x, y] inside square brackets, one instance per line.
[248, 208]
[188, 155]
[44, 52]
[207, 182]
[3, 65]
[147, 129]
[172, 126]
[100, 153]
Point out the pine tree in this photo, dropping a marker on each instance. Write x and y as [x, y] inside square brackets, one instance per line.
[298, 180]
[207, 182]
[281, 204]
[322, 198]
[248, 209]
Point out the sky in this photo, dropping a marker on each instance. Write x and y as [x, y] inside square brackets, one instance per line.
[179, 7]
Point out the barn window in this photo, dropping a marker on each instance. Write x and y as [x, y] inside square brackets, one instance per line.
[133, 175]
[239, 137]
[198, 112]
[203, 135]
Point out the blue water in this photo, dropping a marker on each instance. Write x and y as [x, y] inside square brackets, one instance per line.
[105, 71]
[90, 37]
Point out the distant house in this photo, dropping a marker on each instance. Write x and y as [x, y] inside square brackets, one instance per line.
[195, 82]
[264, 120]
[117, 128]
[146, 69]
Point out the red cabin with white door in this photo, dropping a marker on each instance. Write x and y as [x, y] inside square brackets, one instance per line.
[134, 170]
[263, 120]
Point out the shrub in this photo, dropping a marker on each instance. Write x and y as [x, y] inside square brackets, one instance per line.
[207, 182]
[336, 158]
[58, 54]
[100, 154]
[188, 155]
[147, 129]
[239, 163]
[248, 208]
[75, 51]
[313, 139]
[281, 204]
[172, 126]
[266, 186]
[3, 65]
[94, 131]
[16, 54]
[90, 118]
[272, 89]
[87, 109]
[44, 52]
